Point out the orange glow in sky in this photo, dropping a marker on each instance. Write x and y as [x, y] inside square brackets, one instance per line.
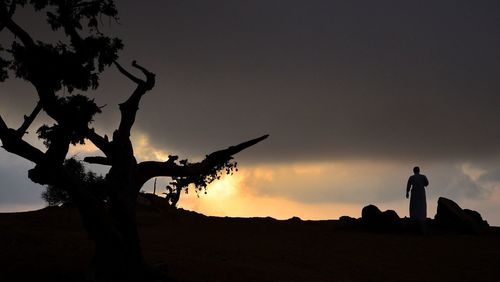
[309, 190]
[232, 197]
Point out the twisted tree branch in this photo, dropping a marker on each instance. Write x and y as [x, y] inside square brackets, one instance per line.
[100, 142]
[6, 21]
[8, 14]
[127, 73]
[97, 160]
[12, 143]
[28, 120]
[150, 169]
[129, 108]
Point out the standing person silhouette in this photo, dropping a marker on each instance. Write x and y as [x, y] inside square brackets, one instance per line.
[416, 184]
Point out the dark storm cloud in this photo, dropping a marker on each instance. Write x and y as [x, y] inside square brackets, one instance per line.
[398, 81]
[327, 79]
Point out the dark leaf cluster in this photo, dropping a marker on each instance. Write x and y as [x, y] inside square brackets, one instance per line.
[73, 10]
[173, 194]
[74, 65]
[201, 181]
[56, 195]
[58, 66]
[77, 112]
[4, 64]
[72, 13]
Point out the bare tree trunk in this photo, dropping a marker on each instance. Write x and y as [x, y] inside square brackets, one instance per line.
[118, 255]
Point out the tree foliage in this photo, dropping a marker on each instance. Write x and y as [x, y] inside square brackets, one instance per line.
[181, 184]
[56, 195]
[3, 66]
[73, 65]
[106, 204]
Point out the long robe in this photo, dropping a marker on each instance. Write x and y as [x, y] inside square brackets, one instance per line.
[418, 204]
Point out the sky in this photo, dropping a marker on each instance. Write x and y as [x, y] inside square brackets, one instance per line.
[354, 94]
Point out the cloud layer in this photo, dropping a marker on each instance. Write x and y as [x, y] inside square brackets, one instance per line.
[352, 93]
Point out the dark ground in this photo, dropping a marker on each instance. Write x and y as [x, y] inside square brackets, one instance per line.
[50, 245]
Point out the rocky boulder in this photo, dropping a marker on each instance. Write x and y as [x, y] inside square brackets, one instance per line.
[373, 218]
[451, 215]
[347, 220]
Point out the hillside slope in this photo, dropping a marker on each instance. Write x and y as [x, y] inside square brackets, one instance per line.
[50, 245]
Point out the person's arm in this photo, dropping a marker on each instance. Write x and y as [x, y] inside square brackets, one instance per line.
[426, 181]
[408, 188]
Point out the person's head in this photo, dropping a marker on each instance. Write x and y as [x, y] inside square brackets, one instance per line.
[416, 170]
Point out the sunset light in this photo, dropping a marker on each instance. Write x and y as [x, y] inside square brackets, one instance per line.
[263, 140]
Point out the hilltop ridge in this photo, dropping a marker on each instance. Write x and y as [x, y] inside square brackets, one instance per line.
[52, 245]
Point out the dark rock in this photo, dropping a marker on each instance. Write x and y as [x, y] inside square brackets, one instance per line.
[374, 219]
[347, 221]
[451, 215]
[370, 213]
[390, 216]
[294, 219]
[477, 217]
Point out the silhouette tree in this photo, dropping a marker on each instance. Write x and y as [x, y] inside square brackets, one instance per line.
[56, 195]
[73, 65]
[181, 184]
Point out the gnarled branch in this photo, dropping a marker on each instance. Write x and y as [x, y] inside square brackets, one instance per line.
[150, 77]
[100, 142]
[148, 84]
[129, 108]
[6, 21]
[128, 74]
[150, 169]
[97, 160]
[28, 120]
[9, 13]
[12, 143]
